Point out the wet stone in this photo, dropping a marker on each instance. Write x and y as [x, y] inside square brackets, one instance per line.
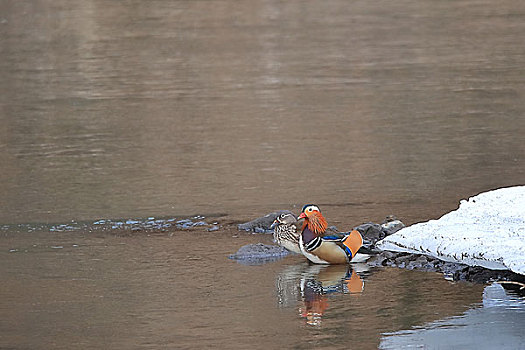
[450, 270]
[200, 223]
[185, 223]
[391, 225]
[372, 232]
[259, 253]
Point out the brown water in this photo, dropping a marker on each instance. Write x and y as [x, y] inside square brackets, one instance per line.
[133, 109]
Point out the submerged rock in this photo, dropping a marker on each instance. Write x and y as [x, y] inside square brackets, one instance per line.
[188, 223]
[184, 223]
[259, 253]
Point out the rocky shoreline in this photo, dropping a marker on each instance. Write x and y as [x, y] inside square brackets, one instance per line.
[372, 233]
[450, 270]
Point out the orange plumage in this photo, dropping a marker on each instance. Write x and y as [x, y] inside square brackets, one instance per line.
[315, 222]
[354, 241]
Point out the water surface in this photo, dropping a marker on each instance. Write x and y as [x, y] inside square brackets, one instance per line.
[130, 111]
[99, 290]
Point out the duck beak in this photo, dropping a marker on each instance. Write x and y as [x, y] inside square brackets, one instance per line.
[302, 216]
[274, 223]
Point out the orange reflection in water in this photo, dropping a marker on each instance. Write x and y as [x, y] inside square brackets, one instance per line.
[316, 288]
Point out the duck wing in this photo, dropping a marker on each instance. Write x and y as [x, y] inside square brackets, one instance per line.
[350, 242]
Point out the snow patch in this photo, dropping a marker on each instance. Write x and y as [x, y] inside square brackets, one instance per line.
[486, 230]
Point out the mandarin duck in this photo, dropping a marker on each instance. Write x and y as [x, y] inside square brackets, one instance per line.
[322, 248]
[285, 232]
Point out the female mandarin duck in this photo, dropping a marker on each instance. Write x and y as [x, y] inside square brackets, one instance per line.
[321, 248]
[285, 232]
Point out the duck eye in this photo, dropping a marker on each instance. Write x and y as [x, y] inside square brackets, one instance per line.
[282, 216]
[310, 209]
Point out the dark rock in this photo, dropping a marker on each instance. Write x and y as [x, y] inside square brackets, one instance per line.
[262, 224]
[383, 258]
[389, 255]
[402, 261]
[391, 225]
[428, 267]
[450, 270]
[259, 253]
[418, 264]
[373, 232]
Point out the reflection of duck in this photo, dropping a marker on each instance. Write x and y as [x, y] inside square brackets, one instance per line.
[340, 279]
[322, 248]
[314, 302]
[312, 285]
[330, 280]
[285, 232]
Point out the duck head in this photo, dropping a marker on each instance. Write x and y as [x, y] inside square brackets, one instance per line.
[313, 219]
[284, 219]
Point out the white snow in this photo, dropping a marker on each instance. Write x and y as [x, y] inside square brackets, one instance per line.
[486, 230]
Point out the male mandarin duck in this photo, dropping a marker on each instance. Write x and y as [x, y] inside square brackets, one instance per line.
[322, 248]
[285, 232]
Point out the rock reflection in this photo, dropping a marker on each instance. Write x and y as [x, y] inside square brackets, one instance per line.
[311, 286]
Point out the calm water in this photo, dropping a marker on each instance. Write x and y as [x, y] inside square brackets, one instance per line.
[230, 110]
